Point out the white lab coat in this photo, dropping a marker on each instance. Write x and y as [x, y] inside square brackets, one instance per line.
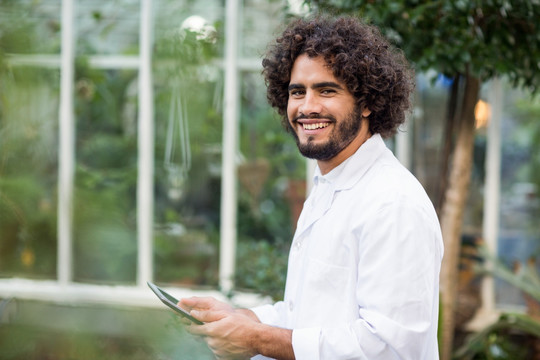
[363, 274]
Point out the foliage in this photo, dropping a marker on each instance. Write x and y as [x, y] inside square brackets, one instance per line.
[530, 129]
[265, 219]
[63, 332]
[266, 215]
[262, 267]
[34, 231]
[526, 278]
[185, 257]
[27, 188]
[505, 338]
[23, 33]
[512, 337]
[106, 176]
[183, 71]
[481, 38]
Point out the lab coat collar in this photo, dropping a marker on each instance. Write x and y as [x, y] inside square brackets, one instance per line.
[346, 174]
[343, 177]
[354, 168]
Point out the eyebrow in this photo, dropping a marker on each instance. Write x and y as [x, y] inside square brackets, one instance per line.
[323, 84]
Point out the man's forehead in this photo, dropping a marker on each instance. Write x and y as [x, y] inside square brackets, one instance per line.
[313, 71]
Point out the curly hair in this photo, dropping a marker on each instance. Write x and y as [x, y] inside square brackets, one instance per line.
[376, 73]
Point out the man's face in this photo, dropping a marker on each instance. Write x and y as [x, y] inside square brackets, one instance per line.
[321, 111]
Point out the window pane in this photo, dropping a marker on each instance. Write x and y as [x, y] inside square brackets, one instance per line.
[107, 27]
[28, 172]
[172, 16]
[259, 22]
[519, 235]
[188, 134]
[105, 239]
[427, 126]
[271, 192]
[30, 27]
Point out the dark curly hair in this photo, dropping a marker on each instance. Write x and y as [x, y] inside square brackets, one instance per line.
[376, 73]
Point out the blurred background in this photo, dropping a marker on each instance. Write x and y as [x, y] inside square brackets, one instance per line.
[136, 144]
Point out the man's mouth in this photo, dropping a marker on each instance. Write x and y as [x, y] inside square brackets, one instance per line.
[315, 126]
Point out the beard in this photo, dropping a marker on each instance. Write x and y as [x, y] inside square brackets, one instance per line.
[341, 136]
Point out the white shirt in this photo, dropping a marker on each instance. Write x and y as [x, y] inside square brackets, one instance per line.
[363, 273]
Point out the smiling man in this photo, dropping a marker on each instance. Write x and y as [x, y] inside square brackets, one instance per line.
[363, 274]
[322, 114]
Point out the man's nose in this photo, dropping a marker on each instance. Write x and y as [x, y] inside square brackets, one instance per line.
[310, 105]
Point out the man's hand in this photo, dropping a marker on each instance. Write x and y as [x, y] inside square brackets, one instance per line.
[204, 303]
[236, 333]
[228, 332]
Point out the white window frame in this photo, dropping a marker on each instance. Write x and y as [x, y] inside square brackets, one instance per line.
[64, 289]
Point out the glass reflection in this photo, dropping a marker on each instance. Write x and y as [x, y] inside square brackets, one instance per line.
[519, 234]
[188, 131]
[107, 27]
[28, 172]
[272, 187]
[30, 27]
[104, 210]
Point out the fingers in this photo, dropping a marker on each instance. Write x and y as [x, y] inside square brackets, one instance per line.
[208, 315]
[224, 332]
[196, 302]
[195, 329]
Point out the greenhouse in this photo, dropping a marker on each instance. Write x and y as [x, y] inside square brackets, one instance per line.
[137, 144]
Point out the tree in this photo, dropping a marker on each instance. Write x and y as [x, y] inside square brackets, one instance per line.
[471, 42]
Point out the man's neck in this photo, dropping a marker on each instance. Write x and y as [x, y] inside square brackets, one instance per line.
[328, 165]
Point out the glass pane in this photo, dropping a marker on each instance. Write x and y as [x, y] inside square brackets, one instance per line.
[519, 234]
[174, 16]
[188, 134]
[28, 172]
[107, 27]
[259, 21]
[427, 126]
[272, 189]
[105, 239]
[30, 27]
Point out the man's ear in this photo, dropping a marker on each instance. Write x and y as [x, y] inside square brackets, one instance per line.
[366, 112]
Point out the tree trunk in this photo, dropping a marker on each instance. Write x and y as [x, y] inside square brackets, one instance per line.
[452, 212]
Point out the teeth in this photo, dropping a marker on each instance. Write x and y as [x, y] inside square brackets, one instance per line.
[315, 126]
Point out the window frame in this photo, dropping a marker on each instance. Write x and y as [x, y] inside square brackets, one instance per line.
[64, 289]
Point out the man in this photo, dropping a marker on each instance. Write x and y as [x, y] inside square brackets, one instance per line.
[363, 273]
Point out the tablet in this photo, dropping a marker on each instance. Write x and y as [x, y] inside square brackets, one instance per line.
[172, 302]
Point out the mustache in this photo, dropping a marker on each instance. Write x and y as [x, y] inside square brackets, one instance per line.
[315, 116]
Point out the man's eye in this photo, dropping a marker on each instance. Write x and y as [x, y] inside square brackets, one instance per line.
[297, 92]
[328, 91]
